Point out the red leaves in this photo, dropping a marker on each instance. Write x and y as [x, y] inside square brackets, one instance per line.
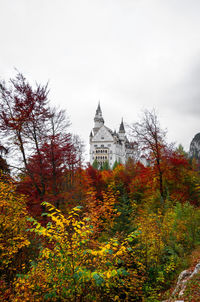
[19, 102]
[39, 135]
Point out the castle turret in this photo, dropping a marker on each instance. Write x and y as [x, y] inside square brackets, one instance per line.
[122, 131]
[91, 135]
[98, 119]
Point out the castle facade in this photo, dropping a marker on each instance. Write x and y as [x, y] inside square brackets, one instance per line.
[109, 146]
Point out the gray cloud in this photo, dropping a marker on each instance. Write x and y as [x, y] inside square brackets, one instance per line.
[130, 54]
[185, 95]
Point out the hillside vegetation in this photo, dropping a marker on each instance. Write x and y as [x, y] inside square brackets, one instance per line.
[74, 233]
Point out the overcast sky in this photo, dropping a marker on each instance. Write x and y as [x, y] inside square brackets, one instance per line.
[129, 54]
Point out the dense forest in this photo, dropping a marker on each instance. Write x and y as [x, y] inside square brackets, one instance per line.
[71, 232]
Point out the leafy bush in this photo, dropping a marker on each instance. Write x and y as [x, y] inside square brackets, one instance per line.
[72, 266]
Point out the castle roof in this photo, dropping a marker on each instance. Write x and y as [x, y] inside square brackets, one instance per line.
[121, 127]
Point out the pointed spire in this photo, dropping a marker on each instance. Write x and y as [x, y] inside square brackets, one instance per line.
[98, 119]
[98, 111]
[121, 127]
[98, 114]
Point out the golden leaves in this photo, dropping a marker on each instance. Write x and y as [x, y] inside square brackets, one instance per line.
[13, 236]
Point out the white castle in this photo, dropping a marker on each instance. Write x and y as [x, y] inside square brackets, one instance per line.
[109, 146]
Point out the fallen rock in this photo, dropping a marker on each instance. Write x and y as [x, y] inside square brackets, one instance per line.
[183, 278]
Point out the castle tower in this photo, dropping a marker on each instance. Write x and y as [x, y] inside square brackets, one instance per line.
[122, 131]
[91, 136]
[107, 146]
[98, 119]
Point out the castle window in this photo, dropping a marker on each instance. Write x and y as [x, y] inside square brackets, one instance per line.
[102, 137]
[95, 145]
[102, 146]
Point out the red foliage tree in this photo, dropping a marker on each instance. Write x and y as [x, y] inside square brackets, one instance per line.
[151, 140]
[38, 135]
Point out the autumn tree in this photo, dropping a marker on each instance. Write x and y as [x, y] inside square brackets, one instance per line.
[38, 135]
[23, 112]
[13, 235]
[152, 141]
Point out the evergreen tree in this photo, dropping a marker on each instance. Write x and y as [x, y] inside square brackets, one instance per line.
[116, 163]
[181, 151]
[95, 164]
[105, 166]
